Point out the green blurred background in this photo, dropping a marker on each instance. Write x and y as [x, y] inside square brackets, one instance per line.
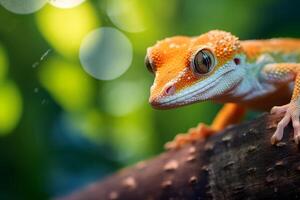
[60, 128]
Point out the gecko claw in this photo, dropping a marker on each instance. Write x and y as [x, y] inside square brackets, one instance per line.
[275, 139]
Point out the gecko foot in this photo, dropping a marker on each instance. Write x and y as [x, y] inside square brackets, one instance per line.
[292, 112]
[200, 132]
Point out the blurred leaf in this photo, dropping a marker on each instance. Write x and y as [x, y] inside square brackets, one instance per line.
[67, 83]
[3, 63]
[65, 28]
[10, 107]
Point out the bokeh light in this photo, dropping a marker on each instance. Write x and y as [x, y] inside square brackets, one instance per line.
[106, 53]
[127, 15]
[10, 107]
[67, 83]
[65, 3]
[23, 6]
[124, 97]
[65, 28]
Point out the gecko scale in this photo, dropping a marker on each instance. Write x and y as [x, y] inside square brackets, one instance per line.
[217, 66]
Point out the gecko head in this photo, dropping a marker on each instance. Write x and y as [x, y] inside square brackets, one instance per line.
[192, 69]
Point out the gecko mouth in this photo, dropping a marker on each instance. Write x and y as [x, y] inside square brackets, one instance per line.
[190, 95]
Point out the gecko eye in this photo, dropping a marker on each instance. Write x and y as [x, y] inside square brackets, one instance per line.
[203, 62]
[149, 65]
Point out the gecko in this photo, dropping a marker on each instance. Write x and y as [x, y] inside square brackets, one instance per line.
[217, 66]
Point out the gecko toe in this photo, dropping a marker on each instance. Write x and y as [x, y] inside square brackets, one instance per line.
[201, 132]
[274, 109]
[296, 127]
[279, 109]
[297, 139]
[276, 137]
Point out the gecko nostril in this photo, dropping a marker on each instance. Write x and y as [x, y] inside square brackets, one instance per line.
[170, 90]
[237, 61]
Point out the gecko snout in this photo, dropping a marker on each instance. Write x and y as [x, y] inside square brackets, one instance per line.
[157, 100]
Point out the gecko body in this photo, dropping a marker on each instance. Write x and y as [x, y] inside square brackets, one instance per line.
[217, 66]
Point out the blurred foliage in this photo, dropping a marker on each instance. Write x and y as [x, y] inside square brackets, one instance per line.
[10, 106]
[60, 128]
[65, 28]
[3, 63]
[67, 83]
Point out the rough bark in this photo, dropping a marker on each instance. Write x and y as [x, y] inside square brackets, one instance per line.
[238, 163]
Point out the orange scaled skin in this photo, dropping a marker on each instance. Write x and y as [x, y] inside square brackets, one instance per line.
[271, 64]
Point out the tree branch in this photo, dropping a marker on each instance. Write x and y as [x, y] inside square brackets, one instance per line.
[239, 163]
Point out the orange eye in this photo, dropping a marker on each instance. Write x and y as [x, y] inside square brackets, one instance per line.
[149, 65]
[203, 62]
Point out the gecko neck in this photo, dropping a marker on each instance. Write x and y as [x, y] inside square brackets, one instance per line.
[252, 85]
